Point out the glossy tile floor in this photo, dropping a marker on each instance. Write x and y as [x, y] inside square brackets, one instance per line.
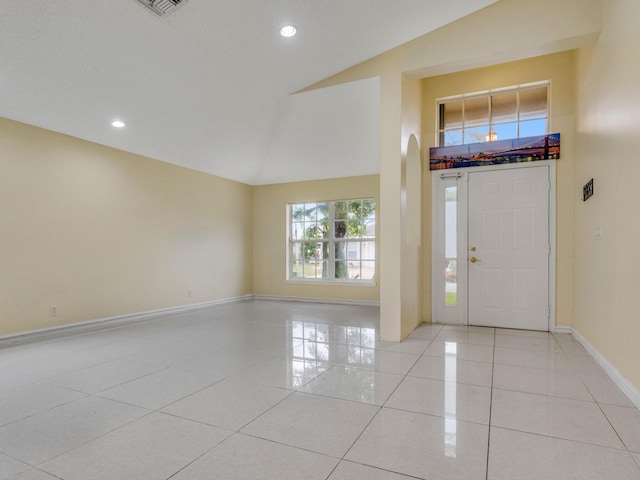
[270, 390]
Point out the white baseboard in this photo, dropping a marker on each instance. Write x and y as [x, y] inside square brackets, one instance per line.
[628, 388]
[562, 329]
[334, 301]
[40, 334]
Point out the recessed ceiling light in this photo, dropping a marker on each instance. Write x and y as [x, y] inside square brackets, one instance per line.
[288, 31]
[117, 124]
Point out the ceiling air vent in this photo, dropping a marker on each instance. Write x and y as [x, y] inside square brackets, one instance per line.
[162, 7]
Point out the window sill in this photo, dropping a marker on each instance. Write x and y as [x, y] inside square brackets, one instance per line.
[335, 283]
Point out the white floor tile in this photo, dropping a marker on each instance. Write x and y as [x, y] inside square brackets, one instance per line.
[356, 384]
[524, 456]
[84, 358]
[426, 331]
[423, 446]
[103, 376]
[443, 399]
[410, 345]
[152, 400]
[521, 333]
[9, 467]
[48, 434]
[543, 344]
[229, 404]
[533, 359]
[320, 424]
[463, 351]
[27, 400]
[552, 416]
[163, 445]
[33, 474]
[469, 329]
[287, 372]
[24, 374]
[543, 382]
[330, 353]
[84, 341]
[473, 338]
[585, 365]
[453, 369]
[626, 422]
[605, 391]
[379, 360]
[161, 357]
[223, 362]
[354, 471]
[159, 389]
[571, 347]
[242, 457]
[155, 330]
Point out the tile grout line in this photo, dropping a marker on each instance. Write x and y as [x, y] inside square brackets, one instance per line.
[615, 430]
[200, 456]
[563, 439]
[591, 393]
[147, 413]
[380, 407]
[384, 404]
[493, 363]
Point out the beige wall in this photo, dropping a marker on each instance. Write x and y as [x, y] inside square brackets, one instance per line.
[411, 212]
[607, 271]
[100, 232]
[390, 260]
[559, 68]
[270, 227]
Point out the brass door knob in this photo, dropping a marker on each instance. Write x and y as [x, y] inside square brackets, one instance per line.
[473, 260]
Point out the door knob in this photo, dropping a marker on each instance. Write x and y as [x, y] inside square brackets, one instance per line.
[474, 260]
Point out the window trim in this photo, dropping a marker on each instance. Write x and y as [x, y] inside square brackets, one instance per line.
[331, 241]
[439, 132]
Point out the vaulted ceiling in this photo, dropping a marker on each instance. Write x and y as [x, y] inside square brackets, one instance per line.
[211, 86]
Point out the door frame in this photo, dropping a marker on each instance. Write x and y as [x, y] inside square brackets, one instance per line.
[440, 313]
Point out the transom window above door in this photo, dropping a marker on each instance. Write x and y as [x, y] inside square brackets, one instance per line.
[499, 114]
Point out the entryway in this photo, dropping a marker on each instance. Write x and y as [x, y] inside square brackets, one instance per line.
[492, 246]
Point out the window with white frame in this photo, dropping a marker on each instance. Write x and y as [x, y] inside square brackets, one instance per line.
[500, 114]
[332, 241]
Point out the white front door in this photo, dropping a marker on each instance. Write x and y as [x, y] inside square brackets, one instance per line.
[492, 226]
[509, 248]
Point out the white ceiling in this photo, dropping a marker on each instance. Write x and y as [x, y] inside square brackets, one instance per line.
[210, 87]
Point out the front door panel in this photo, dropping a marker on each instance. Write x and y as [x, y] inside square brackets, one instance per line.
[508, 242]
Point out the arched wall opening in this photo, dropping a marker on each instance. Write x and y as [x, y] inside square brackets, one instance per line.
[411, 254]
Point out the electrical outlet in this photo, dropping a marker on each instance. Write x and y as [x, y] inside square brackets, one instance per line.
[53, 310]
[189, 293]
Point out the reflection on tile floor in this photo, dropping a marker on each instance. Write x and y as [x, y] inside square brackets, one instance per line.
[277, 390]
